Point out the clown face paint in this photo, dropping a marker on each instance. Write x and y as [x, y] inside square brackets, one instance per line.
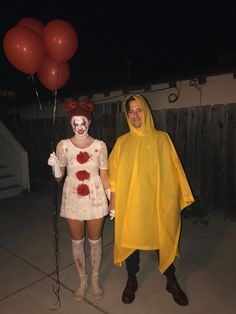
[80, 125]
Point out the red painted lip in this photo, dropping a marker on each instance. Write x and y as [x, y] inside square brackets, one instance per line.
[79, 131]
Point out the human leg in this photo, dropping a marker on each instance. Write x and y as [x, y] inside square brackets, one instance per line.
[95, 241]
[76, 229]
[173, 287]
[132, 262]
[132, 266]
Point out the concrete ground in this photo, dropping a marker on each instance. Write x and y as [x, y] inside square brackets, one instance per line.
[206, 269]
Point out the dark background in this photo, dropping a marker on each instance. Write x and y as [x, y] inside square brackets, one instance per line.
[129, 43]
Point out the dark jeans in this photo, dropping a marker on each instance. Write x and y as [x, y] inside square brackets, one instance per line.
[132, 264]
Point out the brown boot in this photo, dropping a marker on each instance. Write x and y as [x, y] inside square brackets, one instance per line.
[173, 287]
[128, 295]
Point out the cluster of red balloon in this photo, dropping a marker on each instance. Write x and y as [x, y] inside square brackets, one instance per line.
[35, 48]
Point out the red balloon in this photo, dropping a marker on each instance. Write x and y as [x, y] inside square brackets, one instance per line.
[24, 49]
[33, 24]
[54, 75]
[60, 39]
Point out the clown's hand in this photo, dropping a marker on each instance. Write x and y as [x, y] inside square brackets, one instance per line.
[112, 214]
[54, 162]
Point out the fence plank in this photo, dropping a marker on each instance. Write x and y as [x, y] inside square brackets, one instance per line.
[231, 160]
[219, 160]
[182, 135]
[205, 156]
[171, 123]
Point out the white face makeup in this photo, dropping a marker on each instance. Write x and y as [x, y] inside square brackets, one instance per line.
[80, 125]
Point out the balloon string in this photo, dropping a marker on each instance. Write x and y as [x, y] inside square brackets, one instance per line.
[57, 285]
[54, 111]
[36, 92]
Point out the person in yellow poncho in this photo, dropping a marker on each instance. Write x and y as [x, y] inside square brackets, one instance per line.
[148, 191]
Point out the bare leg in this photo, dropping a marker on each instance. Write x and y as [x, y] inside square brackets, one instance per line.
[76, 228]
[95, 228]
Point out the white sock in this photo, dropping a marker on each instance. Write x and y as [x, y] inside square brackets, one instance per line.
[79, 256]
[95, 255]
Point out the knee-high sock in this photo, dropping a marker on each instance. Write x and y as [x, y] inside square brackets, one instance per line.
[95, 255]
[79, 256]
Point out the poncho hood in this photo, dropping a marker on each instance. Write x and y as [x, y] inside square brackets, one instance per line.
[147, 126]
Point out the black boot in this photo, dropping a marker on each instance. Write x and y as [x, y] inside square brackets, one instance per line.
[173, 287]
[128, 295]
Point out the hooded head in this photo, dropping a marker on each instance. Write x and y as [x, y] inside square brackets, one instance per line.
[79, 108]
[147, 125]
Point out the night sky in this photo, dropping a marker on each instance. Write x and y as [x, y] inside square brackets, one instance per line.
[123, 45]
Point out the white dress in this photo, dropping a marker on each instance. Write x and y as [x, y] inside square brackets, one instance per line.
[83, 196]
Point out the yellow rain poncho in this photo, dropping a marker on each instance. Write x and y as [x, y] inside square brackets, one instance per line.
[151, 190]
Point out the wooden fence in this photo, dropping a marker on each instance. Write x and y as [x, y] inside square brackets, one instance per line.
[204, 137]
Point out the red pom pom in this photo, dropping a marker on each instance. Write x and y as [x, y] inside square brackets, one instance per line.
[82, 175]
[82, 157]
[83, 189]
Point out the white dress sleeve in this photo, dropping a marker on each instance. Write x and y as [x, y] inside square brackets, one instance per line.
[60, 152]
[102, 159]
